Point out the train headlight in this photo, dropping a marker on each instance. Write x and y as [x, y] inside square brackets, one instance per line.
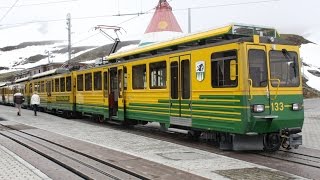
[258, 108]
[296, 106]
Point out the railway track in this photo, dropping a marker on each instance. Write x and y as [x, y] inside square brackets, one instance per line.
[303, 162]
[295, 157]
[83, 165]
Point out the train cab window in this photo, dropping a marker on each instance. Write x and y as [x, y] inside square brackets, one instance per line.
[88, 82]
[284, 66]
[97, 80]
[139, 80]
[56, 85]
[80, 82]
[258, 68]
[220, 69]
[62, 85]
[105, 84]
[68, 83]
[158, 72]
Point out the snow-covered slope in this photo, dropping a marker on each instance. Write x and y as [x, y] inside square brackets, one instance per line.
[21, 58]
[311, 60]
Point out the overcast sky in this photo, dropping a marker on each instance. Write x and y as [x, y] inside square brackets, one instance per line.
[288, 16]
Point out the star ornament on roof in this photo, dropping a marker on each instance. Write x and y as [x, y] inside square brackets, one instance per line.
[162, 25]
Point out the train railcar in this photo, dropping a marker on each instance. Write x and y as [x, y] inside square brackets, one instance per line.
[21, 85]
[240, 85]
[3, 89]
[91, 94]
[55, 88]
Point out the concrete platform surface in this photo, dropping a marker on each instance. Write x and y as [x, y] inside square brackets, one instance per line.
[202, 163]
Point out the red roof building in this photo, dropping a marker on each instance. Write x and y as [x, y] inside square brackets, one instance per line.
[163, 25]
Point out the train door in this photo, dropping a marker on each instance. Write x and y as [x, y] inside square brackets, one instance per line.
[116, 92]
[106, 99]
[180, 91]
[259, 90]
[49, 91]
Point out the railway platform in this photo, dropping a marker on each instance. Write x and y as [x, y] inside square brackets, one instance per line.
[187, 159]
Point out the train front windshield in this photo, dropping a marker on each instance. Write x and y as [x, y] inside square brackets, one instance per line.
[285, 67]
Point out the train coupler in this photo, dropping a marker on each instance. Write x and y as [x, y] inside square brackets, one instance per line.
[290, 138]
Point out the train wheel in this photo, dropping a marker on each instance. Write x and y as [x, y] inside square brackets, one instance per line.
[272, 142]
[100, 119]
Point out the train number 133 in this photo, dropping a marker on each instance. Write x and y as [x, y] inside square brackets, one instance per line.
[277, 106]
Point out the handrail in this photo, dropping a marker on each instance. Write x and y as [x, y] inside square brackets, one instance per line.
[250, 82]
[277, 87]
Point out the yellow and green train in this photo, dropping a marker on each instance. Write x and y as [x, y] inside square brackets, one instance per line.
[238, 85]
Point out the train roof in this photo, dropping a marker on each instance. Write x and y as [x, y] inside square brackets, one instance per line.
[4, 84]
[50, 72]
[22, 79]
[233, 31]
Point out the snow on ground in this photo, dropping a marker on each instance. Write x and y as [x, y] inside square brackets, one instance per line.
[313, 81]
[310, 54]
[8, 58]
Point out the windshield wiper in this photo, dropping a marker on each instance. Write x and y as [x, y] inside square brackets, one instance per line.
[288, 56]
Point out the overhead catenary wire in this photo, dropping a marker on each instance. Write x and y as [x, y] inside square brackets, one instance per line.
[4, 16]
[43, 3]
[132, 14]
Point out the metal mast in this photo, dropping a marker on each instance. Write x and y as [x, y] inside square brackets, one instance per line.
[69, 35]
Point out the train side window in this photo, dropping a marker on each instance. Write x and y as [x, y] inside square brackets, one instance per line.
[139, 80]
[105, 84]
[80, 82]
[37, 86]
[97, 80]
[125, 83]
[62, 84]
[88, 82]
[158, 72]
[57, 85]
[220, 69]
[68, 83]
[48, 87]
[30, 88]
[42, 86]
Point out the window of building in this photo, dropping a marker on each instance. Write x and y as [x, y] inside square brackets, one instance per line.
[97, 80]
[80, 82]
[220, 69]
[139, 80]
[88, 82]
[68, 83]
[158, 75]
[56, 85]
[62, 84]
